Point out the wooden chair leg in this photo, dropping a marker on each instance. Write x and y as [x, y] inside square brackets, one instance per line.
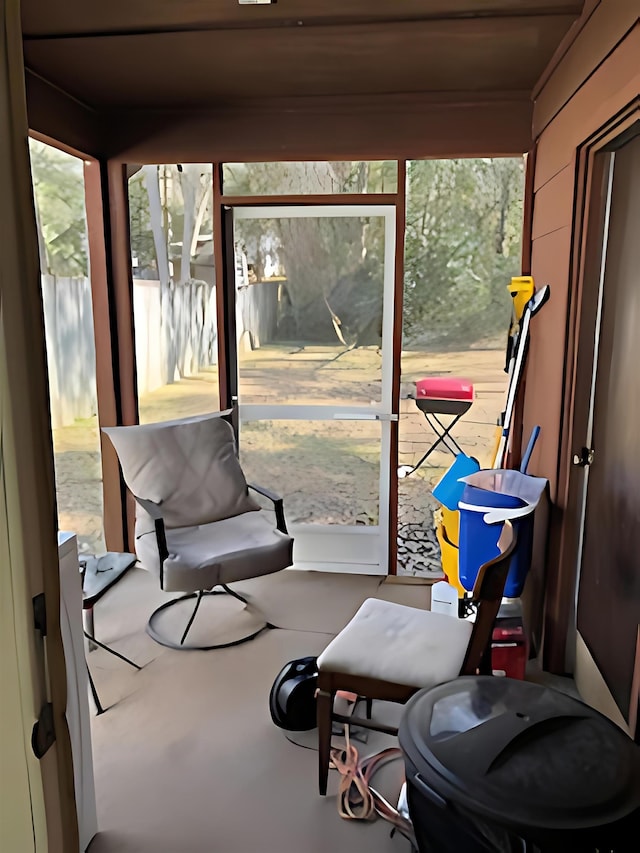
[485, 667]
[324, 703]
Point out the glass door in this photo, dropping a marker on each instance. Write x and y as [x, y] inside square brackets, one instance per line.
[314, 323]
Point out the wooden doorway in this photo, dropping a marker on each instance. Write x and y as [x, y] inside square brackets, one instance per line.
[605, 460]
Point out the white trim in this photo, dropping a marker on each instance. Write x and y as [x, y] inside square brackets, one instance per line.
[384, 491]
[77, 711]
[388, 306]
[314, 211]
[338, 545]
[329, 529]
[274, 412]
[340, 568]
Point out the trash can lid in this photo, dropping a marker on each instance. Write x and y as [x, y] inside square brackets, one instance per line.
[521, 754]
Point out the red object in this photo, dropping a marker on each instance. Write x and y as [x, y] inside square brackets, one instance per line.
[509, 649]
[444, 388]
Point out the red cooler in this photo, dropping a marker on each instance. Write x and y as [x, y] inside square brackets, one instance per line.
[444, 388]
[509, 649]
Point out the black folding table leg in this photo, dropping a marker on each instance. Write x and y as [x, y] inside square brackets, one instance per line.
[94, 693]
[444, 432]
[440, 440]
[110, 650]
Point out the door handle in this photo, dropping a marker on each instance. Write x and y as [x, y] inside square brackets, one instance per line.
[364, 416]
[584, 457]
[355, 416]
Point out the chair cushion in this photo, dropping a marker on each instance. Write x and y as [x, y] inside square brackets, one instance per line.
[400, 644]
[189, 466]
[203, 556]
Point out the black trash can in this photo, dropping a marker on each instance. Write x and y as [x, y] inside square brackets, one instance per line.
[497, 764]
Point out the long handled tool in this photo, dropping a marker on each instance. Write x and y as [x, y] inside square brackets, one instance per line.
[521, 289]
[524, 465]
[516, 369]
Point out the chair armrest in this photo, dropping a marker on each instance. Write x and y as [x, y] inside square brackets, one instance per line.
[278, 504]
[158, 520]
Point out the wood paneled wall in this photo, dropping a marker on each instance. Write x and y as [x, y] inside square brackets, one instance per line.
[602, 94]
[598, 77]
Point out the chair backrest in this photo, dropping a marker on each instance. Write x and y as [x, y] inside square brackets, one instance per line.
[190, 467]
[488, 590]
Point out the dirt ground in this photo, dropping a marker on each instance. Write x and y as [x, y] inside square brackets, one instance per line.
[327, 471]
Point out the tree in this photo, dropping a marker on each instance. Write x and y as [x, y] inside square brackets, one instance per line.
[58, 182]
[143, 250]
[462, 247]
[463, 238]
[169, 205]
[332, 265]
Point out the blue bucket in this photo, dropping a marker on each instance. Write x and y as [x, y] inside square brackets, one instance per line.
[478, 540]
[448, 490]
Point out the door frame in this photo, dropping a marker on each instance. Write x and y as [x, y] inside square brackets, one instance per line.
[337, 547]
[40, 808]
[560, 612]
[225, 301]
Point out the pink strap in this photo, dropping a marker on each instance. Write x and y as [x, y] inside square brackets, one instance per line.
[357, 800]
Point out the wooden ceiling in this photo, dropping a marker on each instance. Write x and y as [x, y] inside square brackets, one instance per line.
[198, 54]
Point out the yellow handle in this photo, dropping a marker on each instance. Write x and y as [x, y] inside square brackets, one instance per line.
[521, 289]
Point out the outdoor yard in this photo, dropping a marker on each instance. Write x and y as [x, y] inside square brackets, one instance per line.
[327, 471]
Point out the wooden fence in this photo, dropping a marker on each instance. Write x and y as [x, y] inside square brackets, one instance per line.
[175, 336]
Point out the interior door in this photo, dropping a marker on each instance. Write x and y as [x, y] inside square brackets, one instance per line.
[314, 322]
[608, 463]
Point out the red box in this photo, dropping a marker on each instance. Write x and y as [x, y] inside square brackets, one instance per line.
[509, 649]
[444, 388]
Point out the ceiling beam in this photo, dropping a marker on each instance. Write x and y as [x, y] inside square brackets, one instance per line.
[265, 18]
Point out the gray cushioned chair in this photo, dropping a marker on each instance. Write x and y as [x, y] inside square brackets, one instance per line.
[197, 527]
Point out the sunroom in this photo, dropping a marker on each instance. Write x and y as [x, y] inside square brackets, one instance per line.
[229, 147]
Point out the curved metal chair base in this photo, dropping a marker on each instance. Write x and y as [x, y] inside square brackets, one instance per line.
[182, 645]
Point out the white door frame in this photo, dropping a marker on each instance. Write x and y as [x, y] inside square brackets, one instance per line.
[357, 549]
